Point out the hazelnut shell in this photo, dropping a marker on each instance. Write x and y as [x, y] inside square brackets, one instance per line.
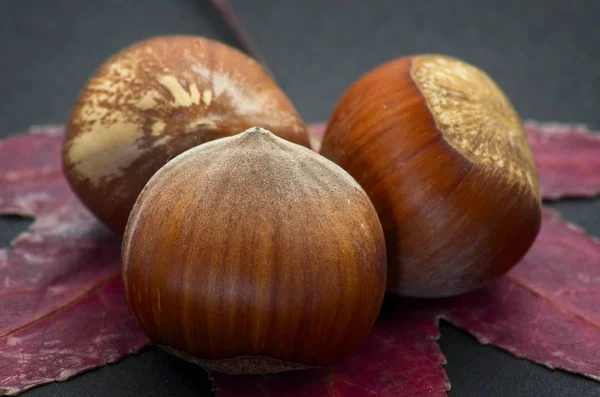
[156, 99]
[251, 254]
[442, 154]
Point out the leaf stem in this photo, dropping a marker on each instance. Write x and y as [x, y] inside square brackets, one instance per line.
[239, 31]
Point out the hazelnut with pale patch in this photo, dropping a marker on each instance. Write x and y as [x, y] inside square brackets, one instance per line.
[441, 152]
[152, 101]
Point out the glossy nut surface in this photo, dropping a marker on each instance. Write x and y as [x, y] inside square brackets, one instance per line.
[441, 152]
[156, 99]
[251, 254]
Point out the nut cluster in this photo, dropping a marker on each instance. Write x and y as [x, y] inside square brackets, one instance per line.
[246, 252]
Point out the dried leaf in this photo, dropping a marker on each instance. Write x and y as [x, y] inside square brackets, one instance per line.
[546, 309]
[400, 358]
[567, 159]
[63, 309]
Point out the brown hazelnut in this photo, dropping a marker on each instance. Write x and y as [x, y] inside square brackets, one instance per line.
[251, 254]
[156, 99]
[441, 152]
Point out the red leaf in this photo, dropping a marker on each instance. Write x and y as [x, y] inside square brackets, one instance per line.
[400, 358]
[567, 159]
[546, 309]
[63, 309]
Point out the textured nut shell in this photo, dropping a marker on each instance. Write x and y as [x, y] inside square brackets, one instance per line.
[441, 153]
[152, 101]
[475, 117]
[251, 246]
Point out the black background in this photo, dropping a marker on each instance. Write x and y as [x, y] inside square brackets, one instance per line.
[543, 53]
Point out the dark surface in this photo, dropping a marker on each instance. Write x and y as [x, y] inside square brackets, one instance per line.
[544, 54]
